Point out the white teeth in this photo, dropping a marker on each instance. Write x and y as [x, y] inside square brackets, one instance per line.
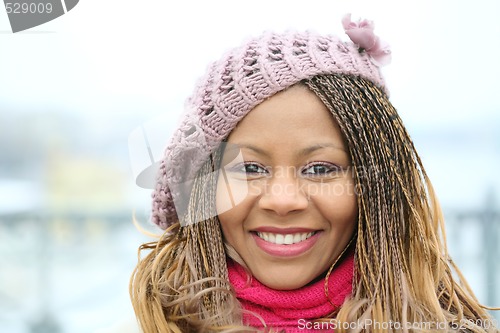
[296, 238]
[280, 239]
[287, 239]
[272, 238]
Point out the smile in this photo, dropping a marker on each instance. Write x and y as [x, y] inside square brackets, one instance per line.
[290, 243]
[284, 239]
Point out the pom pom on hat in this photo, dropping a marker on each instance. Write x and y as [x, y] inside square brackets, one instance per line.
[361, 33]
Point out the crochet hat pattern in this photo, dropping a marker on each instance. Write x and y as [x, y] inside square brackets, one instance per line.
[246, 76]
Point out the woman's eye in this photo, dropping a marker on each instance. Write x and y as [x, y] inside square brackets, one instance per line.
[320, 169]
[254, 168]
[250, 168]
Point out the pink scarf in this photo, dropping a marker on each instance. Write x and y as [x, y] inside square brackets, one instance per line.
[293, 310]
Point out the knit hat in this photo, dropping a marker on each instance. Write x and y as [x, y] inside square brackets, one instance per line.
[243, 78]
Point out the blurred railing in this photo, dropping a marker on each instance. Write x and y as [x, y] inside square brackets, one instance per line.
[473, 240]
[65, 272]
[55, 266]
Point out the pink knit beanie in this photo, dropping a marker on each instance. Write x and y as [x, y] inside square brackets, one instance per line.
[243, 78]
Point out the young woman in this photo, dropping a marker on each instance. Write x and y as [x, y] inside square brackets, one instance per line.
[293, 200]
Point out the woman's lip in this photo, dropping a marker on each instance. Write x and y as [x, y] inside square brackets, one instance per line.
[286, 250]
[283, 231]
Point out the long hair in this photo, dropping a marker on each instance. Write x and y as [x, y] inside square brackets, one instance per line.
[182, 283]
[403, 270]
[403, 273]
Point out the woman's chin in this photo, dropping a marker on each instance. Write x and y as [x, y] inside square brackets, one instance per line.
[284, 285]
[284, 280]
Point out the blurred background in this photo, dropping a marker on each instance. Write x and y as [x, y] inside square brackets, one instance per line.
[72, 91]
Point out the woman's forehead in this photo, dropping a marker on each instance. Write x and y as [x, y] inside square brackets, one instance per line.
[295, 118]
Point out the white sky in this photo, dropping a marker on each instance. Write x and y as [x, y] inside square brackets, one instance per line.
[143, 56]
[114, 58]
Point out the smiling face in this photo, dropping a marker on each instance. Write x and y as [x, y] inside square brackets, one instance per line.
[298, 210]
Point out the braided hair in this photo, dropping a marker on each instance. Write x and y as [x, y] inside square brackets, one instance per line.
[402, 269]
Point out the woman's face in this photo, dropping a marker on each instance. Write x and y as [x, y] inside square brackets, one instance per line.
[296, 207]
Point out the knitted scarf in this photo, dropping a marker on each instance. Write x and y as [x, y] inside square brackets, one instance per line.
[292, 310]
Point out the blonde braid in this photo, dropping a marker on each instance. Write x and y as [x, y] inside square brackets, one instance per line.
[182, 284]
[402, 266]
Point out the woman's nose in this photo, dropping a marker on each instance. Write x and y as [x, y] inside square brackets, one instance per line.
[283, 194]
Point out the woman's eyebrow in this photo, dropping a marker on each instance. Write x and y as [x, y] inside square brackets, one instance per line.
[302, 152]
[313, 148]
[233, 147]
[255, 149]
